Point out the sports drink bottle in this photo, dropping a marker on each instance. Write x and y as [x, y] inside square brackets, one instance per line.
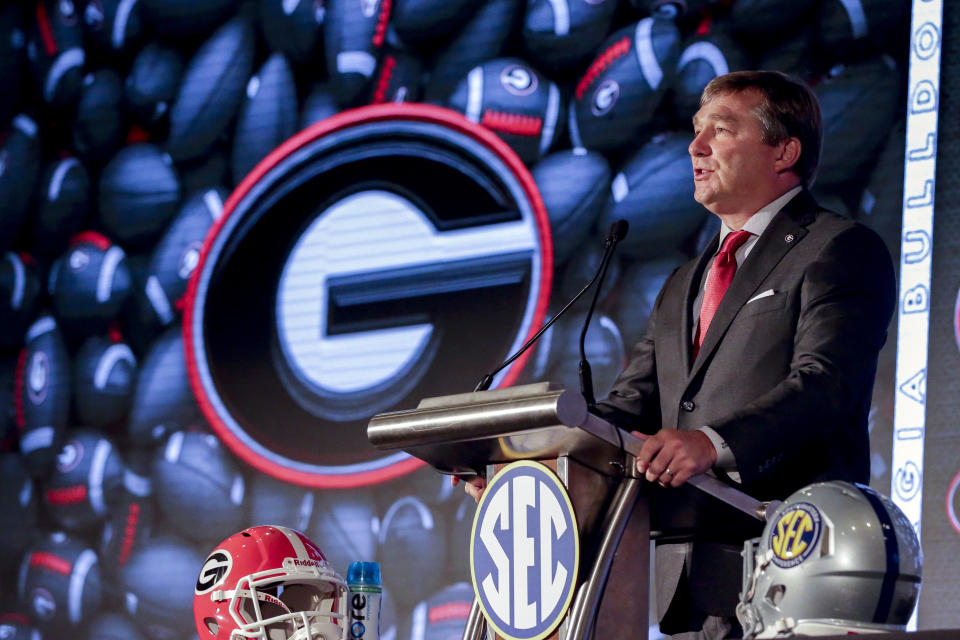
[364, 592]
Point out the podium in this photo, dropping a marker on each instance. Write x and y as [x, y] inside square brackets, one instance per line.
[470, 434]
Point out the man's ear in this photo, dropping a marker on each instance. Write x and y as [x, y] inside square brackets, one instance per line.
[789, 154]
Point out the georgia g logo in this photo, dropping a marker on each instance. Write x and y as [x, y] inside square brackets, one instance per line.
[524, 552]
[795, 535]
[605, 97]
[214, 571]
[38, 377]
[70, 456]
[518, 80]
[390, 254]
[43, 603]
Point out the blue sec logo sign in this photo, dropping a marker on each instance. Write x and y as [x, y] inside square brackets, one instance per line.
[524, 552]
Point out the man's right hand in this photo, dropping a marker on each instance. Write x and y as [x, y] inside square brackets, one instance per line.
[474, 486]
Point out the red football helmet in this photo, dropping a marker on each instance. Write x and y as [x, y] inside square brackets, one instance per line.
[271, 583]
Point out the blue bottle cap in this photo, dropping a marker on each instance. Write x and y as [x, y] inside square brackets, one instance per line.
[364, 573]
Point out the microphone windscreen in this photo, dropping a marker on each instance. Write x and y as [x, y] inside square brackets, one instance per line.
[618, 230]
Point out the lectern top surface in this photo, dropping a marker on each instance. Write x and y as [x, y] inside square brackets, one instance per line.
[463, 433]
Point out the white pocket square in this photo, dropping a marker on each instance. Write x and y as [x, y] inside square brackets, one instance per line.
[768, 292]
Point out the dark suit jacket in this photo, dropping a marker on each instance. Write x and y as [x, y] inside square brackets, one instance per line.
[785, 379]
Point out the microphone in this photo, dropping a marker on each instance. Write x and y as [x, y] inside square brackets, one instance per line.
[616, 233]
[618, 230]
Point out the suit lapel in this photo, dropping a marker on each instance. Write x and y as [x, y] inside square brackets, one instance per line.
[691, 289]
[783, 233]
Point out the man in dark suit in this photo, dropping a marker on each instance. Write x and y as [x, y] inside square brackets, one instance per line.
[760, 355]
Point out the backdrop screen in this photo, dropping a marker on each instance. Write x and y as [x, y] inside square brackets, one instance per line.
[232, 232]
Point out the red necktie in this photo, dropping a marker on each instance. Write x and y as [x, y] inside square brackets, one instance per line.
[718, 281]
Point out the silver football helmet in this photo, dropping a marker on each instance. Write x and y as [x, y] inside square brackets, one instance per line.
[835, 557]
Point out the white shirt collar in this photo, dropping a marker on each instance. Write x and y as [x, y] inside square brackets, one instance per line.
[758, 222]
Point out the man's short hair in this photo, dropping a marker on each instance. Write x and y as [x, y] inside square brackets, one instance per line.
[789, 109]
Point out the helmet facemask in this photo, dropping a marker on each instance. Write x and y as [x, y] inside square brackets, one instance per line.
[297, 603]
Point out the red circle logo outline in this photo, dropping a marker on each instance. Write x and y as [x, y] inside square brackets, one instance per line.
[362, 115]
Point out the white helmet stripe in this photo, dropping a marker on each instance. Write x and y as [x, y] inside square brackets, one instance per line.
[40, 327]
[295, 542]
[561, 17]
[858, 19]
[356, 62]
[138, 485]
[174, 446]
[646, 56]
[111, 356]
[26, 125]
[474, 94]
[111, 259]
[236, 490]
[66, 61]
[418, 624]
[214, 203]
[36, 439]
[572, 128]
[426, 519]
[95, 478]
[158, 300]
[550, 118]
[620, 187]
[306, 510]
[120, 22]
[705, 51]
[56, 181]
[19, 280]
[78, 579]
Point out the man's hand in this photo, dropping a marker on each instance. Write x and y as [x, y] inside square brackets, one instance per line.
[474, 486]
[671, 457]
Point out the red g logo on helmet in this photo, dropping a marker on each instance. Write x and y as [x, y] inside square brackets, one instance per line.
[214, 571]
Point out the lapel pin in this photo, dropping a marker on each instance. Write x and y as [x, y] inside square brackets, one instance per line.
[788, 238]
